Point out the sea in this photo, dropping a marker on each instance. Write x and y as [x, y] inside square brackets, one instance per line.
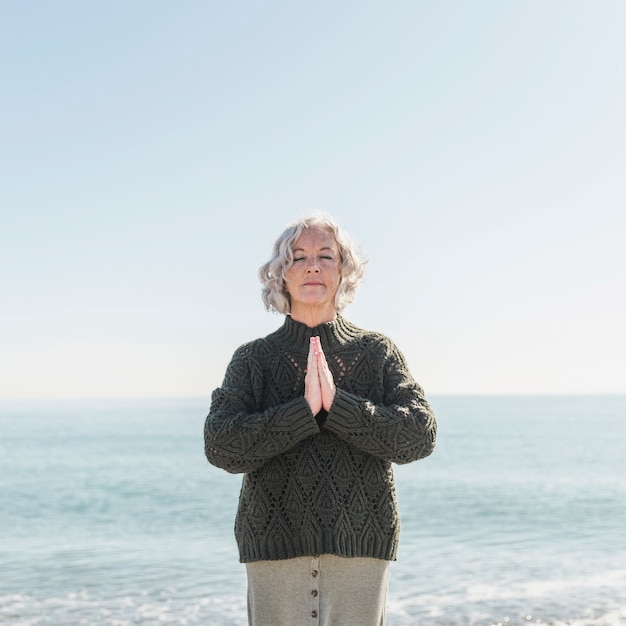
[111, 515]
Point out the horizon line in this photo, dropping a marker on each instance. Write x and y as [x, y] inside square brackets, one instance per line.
[459, 394]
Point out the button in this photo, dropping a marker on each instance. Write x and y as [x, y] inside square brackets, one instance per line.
[314, 593]
[313, 613]
[314, 573]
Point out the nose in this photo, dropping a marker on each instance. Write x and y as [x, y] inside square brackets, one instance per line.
[313, 266]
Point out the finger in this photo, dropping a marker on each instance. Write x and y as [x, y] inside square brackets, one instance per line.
[311, 359]
[322, 363]
[326, 381]
[325, 375]
[312, 390]
[317, 346]
[312, 368]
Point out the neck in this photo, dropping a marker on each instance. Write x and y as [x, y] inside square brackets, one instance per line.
[313, 316]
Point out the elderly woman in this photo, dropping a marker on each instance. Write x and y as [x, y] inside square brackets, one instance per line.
[314, 415]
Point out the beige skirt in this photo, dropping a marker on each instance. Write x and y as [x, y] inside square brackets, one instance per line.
[317, 591]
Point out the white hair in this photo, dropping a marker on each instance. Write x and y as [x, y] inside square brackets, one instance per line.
[272, 274]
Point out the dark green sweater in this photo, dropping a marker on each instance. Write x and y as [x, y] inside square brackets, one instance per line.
[318, 486]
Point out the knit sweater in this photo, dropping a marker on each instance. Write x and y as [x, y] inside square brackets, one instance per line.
[317, 486]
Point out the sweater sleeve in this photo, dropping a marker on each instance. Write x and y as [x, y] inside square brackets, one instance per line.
[240, 438]
[400, 429]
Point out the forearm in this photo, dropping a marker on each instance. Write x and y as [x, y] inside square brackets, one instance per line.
[239, 440]
[401, 432]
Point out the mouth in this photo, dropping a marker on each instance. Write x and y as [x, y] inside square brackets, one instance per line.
[314, 284]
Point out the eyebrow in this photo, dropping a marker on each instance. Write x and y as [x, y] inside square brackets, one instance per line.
[321, 249]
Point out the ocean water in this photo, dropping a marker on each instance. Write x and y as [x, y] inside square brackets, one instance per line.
[109, 514]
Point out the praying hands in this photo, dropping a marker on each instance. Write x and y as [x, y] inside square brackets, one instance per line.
[319, 386]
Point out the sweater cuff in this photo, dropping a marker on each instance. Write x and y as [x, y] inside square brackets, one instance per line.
[301, 419]
[344, 414]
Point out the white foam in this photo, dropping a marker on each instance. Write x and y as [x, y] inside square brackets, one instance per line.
[544, 588]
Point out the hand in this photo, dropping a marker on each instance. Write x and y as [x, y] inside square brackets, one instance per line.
[327, 382]
[319, 385]
[312, 388]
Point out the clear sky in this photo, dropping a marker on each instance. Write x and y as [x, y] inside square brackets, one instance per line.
[152, 151]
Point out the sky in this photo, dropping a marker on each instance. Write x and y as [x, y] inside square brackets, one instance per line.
[151, 153]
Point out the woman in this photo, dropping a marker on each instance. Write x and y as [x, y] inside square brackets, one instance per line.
[314, 415]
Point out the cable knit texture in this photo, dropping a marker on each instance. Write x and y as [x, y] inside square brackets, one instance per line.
[312, 486]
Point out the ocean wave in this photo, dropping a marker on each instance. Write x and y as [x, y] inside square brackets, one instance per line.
[81, 609]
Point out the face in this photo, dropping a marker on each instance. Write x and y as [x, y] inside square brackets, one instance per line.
[313, 279]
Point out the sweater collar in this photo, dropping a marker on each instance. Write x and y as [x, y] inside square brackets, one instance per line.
[332, 334]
